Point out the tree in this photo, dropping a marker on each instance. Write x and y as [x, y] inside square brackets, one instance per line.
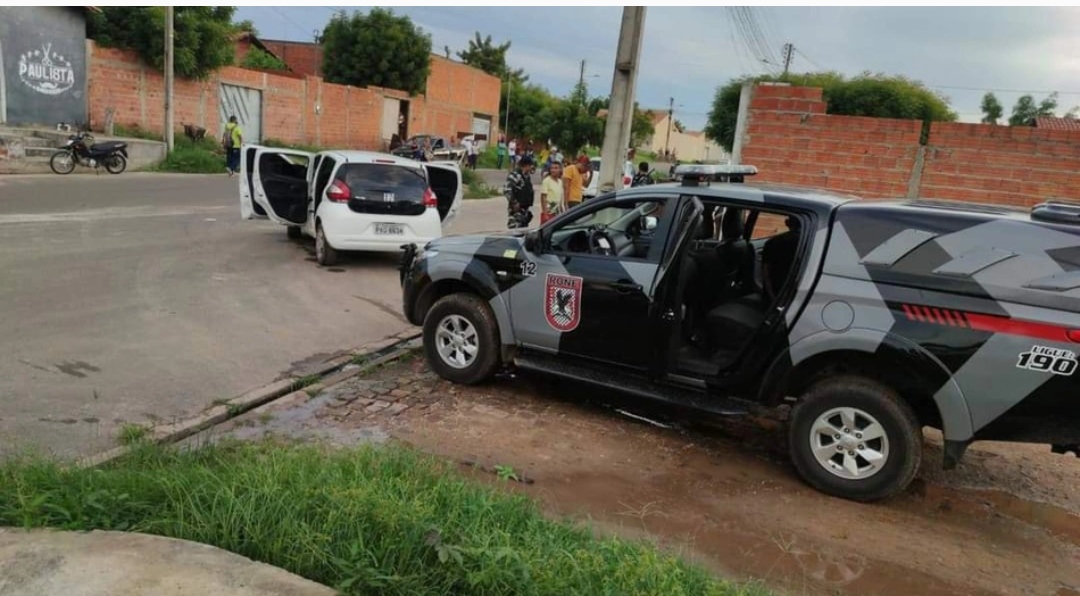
[1025, 111]
[203, 35]
[874, 95]
[678, 126]
[379, 48]
[991, 109]
[491, 58]
[258, 58]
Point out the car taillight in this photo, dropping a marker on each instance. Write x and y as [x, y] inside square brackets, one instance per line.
[430, 200]
[338, 192]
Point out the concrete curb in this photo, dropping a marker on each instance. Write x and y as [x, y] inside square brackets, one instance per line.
[372, 355]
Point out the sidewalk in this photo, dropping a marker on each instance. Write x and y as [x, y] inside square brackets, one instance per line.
[52, 563]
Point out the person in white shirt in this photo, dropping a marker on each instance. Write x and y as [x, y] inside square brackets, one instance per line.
[513, 154]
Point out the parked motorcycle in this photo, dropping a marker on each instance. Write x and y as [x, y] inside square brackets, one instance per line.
[81, 149]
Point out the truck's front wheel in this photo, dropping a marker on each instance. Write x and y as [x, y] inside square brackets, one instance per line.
[854, 438]
[461, 339]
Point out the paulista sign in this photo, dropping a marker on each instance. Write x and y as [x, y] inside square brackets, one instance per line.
[46, 71]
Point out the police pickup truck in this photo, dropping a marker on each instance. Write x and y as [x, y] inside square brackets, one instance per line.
[865, 321]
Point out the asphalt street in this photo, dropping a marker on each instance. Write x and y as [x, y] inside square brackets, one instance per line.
[144, 297]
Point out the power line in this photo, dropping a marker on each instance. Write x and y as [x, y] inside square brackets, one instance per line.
[1001, 90]
[807, 58]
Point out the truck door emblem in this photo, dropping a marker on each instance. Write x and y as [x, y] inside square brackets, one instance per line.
[1052, 360]
[562, 304]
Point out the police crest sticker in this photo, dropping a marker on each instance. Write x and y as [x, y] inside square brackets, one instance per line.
[562, 301]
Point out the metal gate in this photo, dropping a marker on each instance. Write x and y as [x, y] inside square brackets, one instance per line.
[390, 114]
[481, 128]
[246, 104]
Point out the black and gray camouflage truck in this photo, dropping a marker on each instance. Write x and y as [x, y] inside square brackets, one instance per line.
[865, 321]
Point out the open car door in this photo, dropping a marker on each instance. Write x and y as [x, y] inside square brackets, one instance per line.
[280, 184]
[248, 208]
[444, 178]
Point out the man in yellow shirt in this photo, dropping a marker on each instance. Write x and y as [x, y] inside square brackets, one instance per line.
[574, 181]
[551, 193]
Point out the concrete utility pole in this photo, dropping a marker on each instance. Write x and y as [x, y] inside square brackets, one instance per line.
[788, 50]
[621, 109]
[581, 77]
[670, 117]
[509, 89]
[169, 78]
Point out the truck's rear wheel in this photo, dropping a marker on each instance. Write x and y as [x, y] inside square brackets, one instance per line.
[854, 438]
[461, 339]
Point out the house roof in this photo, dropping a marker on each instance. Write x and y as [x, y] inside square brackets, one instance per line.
[1054, 123]
[657, 116]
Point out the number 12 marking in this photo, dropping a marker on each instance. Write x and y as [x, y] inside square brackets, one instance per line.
[528, 268]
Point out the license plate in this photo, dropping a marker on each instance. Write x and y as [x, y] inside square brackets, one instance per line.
[389, 229]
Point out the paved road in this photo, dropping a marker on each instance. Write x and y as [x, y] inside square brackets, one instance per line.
[145, 297]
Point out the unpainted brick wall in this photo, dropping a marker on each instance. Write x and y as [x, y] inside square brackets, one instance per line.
[792, 141]
[296, 109]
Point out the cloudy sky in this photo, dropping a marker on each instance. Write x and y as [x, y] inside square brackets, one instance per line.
[688, 52]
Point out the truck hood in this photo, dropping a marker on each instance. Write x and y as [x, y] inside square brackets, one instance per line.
[485, 243]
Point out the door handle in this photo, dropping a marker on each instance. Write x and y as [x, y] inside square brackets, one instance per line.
[626, 286]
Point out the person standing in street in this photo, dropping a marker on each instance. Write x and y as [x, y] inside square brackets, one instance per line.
[500, 153]
[643, 176]
[512, 147]
[551, 193]
[519, 194]
[574, 182]
[231, 141]
[472, 151]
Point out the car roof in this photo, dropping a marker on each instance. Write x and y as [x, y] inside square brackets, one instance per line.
[350, 156]
[811, 198]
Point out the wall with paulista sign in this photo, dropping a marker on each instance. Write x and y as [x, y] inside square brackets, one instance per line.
[43, 75]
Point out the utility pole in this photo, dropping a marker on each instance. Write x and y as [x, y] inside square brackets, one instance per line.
[169, 78]
[788, 50]
[509, 89]
[581, 78]
[621, 110]
[670, 117]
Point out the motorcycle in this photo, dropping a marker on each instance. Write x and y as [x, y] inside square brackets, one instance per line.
[81, 149]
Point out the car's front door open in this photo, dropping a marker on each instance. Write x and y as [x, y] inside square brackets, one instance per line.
[280, 184]
[249, 209]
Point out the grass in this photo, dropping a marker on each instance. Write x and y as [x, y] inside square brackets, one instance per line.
[131, 434]
[306, 381]
[135, 132]
[194, 157]
[379, 520]
[475, 187]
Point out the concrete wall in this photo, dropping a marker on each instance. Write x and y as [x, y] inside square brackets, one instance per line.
[43, 79]
[295, 108]
[791, 140]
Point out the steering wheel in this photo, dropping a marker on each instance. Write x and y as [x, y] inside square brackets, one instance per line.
[600, 243]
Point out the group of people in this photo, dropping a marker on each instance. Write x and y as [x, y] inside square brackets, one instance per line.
[562, 186]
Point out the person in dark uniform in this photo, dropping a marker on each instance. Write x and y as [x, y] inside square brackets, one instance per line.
[519, 194]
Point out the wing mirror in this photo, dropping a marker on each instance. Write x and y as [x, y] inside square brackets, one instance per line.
[650, 223]
[533, 240]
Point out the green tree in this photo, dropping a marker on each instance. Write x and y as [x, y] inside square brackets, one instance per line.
[1025, 110]
[678, 126]
[484, 54]
[378, 48]
[641, 127]
[203, 35]
[258, 58]
[991, 109]
[874, 95]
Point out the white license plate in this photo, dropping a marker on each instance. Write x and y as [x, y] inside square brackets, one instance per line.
[389, 229]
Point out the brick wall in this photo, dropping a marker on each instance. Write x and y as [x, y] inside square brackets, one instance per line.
[295, 108]
[792, 141]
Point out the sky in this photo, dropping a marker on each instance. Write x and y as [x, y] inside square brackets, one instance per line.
[688, 52]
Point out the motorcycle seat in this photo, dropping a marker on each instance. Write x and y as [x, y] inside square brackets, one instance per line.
[108, 146]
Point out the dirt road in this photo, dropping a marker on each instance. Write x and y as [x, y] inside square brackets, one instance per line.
[720, 492]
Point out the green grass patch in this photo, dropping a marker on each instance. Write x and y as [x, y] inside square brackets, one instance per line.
[194, 157]
[135, 132]
[475, 187]
[131, 434]
[306, 382]
[375, 520]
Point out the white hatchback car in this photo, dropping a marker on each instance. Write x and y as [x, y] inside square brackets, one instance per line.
[349, 200]
[590, 191]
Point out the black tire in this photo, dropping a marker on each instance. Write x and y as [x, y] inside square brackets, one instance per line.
[325, 254]
[294, 232]
[478, 314]
[901, 427]
[54, 162]
[115, 163]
